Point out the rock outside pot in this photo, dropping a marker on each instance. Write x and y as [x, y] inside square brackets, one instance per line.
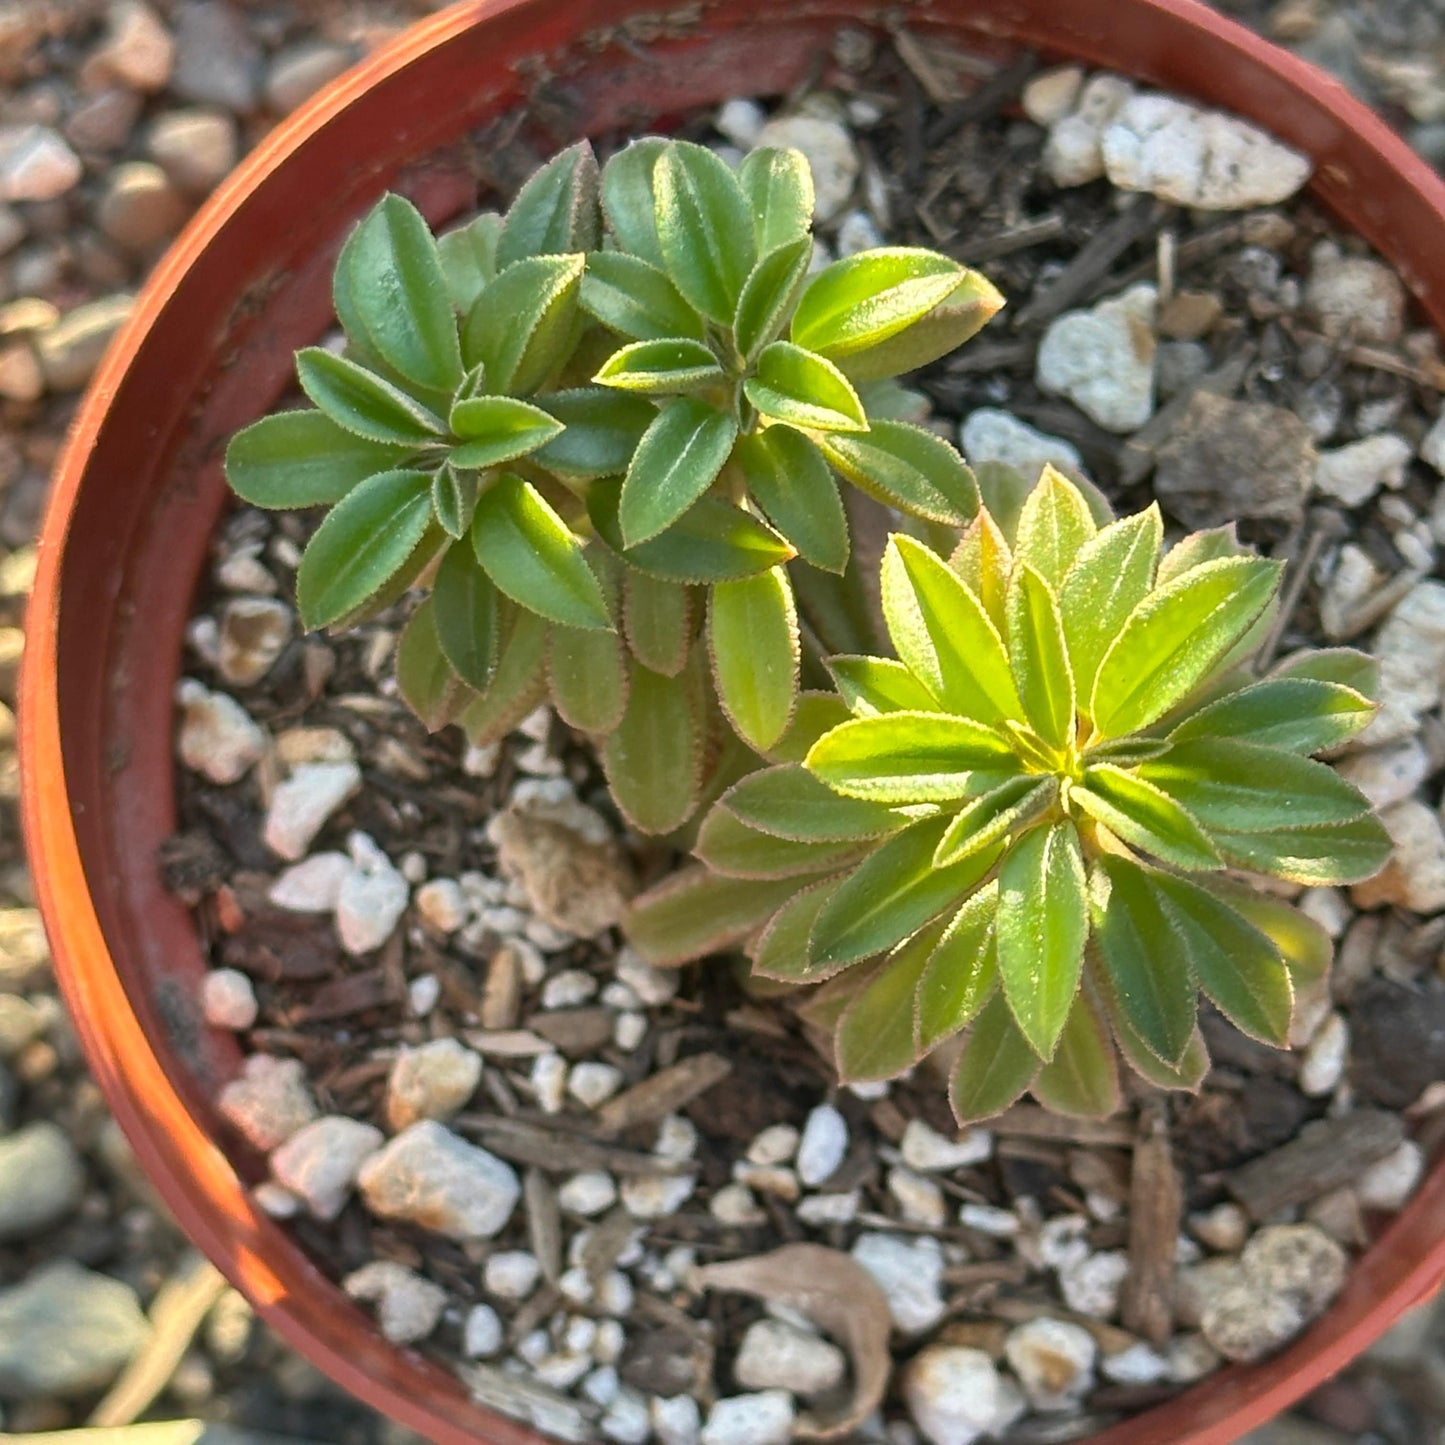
[209, 348]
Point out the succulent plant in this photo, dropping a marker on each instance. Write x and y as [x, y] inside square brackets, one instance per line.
[606, 428]
[1027, 827]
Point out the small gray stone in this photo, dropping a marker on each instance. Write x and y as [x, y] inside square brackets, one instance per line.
[253, 632]
[195, 148]
[434, 1178]
[41, 1180]
[301, 805]
[1052, 94]
[925, 1149]
[66, 1331]
[676, 1420]
[1298, 1260]
[371, 900]
[313, 885]
[228, 1000]
[319, 1163]
[71, 349]
[1229, 459]
[1103, 359]
[1246, 1321]
[991, 435]
[431, 1081]
[741, 121]
[1353, 474]
[1355, 297]
[35, 164]
[777, 1356]
[831, 154]
[408, 1307]
[217, 60]
[1054, 1360]
[217, 737]
[12, 229]
[137, 51]
[482, 1333]
[300, 71]
[1414, 877]
[24, 950]
[103, 122]
[910, 1274]
[1073, 154]
[762, 1419]
[956, 1394]
[1432, 448]
[823, 1146]
[268, 1101]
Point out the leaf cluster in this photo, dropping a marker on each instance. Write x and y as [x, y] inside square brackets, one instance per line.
[601, 427]
[1026, 827]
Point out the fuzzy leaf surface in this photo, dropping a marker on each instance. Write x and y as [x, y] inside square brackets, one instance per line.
[658, 617]
[523, 325]
[653, 759]
[904, 466]
[469, 258]
[789, 802]
[804, 390]
[1054, 526]
[704, 228]
[694, 913]
[996, 1067]
[497, 429]
[1038, 658]
[994, 815]
[519, 682]
[600, 431]
[628, 295]
[871, 685]
[1300, 715]
[676, 461]
[302, 459]
[1323, 856]
[753, 639]
[587, 674]
[961, 972]
[661, 368]
[875, 1037]
[779, 187]
[730, 847]
[423, 675]
[1082, 1079]
[781, 951]
[767, 298]
[789, 479]
[556, 211]
[468, 617]
[1145, 816]
[364, 403]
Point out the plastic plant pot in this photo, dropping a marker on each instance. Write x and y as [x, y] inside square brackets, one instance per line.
[209, 347]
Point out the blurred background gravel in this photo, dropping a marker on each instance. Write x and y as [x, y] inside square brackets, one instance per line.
[117, 117]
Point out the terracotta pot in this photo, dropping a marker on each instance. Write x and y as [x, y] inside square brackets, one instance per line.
[209, 347]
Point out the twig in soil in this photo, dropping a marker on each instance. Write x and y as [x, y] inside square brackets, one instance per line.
[562, 1152]
[664, 1093]
[544, 1223]
[1030, 1121]
[180, 1305]
[1325, 1156]
[1156, 1200]
[1140, 219]
[1321, 525]
[1370, 609]
[1015, 238]
[987, 356]
[988, 100]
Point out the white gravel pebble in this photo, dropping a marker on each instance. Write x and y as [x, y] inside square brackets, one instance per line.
[1415, 875]
[824, 1209]
[991, 435]
[775, 1145]
[422, 994]
[1224, 1229]
[927, 1150]
[653, 986]
[252, 633]
[311, 886]
[431, 1081]
[956, 1394]
[407, 1306]
[655, 1196]
[319, 1163]
[1137, 1365]
[778, 1356]
[1386, 776]
[629, 1031]
[1353, 474]
[1052, 94]
[35, 164]
[442, 905]
[268, 1101]
[592, 1083]
[910, 1274]
[676, 1420]
[767, 1179]
[823, 1147]
[482, 1333]
[1389, 1183]
[276, 1200]
[217, 737]
[372, 898]
[1091, 1287]
[1103, 359]
[1198, 158]
[627, 1419]
[568, 989]
[761, 1419]
[301, 805]
[741, 121]
[588, 1194]
[1355, 297]
[1073, 153]
[1323, 1065]
[1054, 1360]
[549, 1081]
[920, 1200]
[734, 1204]
[228, 999]
[434, 1178]
[989, 1219]
[511, 1274]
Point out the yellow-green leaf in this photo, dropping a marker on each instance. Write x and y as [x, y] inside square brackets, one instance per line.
[753, 640]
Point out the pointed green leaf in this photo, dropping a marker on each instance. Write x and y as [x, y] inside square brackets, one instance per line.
[753, 640]
[497, 429]
[1321, 856]
[713, 541]
[872, 685]
[1297, 714]
[984, 560]
[961, 973]
[302, 459]
[1109, 578]
[909, 757]
[1053, 526]
[1233, 962]
[453, 497]
[1198, 548]
[781, 950]
[423, 675]
[1037, 657]
[694, 913]
[804, 390]
[789, 802]
[788, 478]
[587, 674]
[1043, 921]
[1145, 817]
[363, 403]
[524, 324]
[556, 211]
[364, 541]
[1187, 1074]
[892, 894]
[1143, 960]
[943, 635]
[469, 258]
[400, 294]
[532, 556]
[768, 295]
[1307, 950]
[628, 200]
[653, 759]
[867, 298]
[659, 620]
[468, 617]
[704, 228]
[988, 819]
[779, 187]
[1243, 787]
[997, 1065]
[676, 461]
[601, 430]
[1082, 1079]
[875, 1037]
[1343, 666]
[519, 682]
[628, 295]
[816, 714]
[906, 467]
[1175, 638]
[730, 847]
[660, 368]
[964, 312]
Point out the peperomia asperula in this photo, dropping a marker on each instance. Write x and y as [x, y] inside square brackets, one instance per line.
[1026, 824]
[606, 426]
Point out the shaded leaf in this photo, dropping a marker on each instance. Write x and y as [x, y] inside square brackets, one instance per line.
[587, 674]
[469, 258]
[1082, 1079]
[519, 682]
[693, 913]
[496, 429]
[780, 951]
[1198, 548]
[788, 477]
[601, 430]
[789, 802]
[364, 403]
[653, 759]
[1187, 1074]
[730, 847]
[423, 676]
[1343, 666]
[453, 496]
[676, 461]
[816, 714]
[961, 973]
[556, 211]
[767, 298]
[996, 1066]
[302, 459]
[875, 1036]
[1322, 856]
[659, 620]
[753, 641]
[523, 326]
[906, 467]
[468, 616]
[629, 295]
